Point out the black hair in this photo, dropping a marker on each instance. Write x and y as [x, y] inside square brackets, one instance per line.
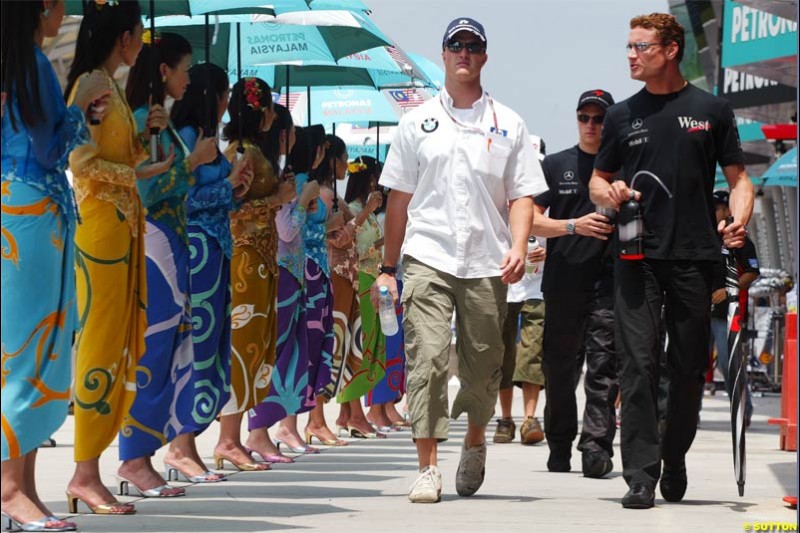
[20, 73]
[308, 140]
[358, 185]
[100, 28]
[198, 107]
[250, 126]
[336, 149]
[170, 49]
[270, 141]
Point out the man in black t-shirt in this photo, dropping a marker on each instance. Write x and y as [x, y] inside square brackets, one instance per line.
[678, 133]
[747, 262]
[578, 295]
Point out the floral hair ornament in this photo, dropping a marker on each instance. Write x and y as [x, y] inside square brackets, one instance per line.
[147, 38]
[356, 166]
[252, 93]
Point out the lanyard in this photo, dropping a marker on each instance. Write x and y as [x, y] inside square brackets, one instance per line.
[474, 128]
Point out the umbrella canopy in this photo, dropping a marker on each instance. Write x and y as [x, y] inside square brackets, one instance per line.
[278, 40]
[783, 172]
[339, 105]
[195, 7]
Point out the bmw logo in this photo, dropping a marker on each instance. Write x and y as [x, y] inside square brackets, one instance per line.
[429, 125]
[569, 175]
[637, 123]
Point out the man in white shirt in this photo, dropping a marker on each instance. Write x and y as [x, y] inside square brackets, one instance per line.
[462, 173]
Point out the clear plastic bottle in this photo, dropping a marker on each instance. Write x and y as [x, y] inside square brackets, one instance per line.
[386, 312]
[532, 267]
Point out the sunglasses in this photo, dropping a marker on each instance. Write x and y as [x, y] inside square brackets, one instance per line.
[473, 47]
[596, 119]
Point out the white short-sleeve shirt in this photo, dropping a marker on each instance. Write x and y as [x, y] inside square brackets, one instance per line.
[462, 167]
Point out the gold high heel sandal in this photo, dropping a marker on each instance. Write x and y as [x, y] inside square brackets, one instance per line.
[331, 442]
[219, 460]
[104, 508]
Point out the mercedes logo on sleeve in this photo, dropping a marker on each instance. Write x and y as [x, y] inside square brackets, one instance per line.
[429, 125]
[637, 123]
[569, 175]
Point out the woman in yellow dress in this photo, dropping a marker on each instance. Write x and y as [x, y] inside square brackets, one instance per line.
[109, 251]
[254, 269]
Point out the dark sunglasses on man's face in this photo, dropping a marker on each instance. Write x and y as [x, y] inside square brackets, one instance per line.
[596, 119]
[473, 47]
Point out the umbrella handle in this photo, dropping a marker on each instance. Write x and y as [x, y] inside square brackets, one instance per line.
[731, 269]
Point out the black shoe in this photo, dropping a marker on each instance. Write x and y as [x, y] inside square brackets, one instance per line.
[673, 482]
[596, 464]
[639, 496]
[559, 461]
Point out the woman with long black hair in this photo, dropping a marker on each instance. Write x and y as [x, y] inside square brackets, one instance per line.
[254, 268]
[211, 198]
[109, 249]
[38, 277]
[349, 357]
[165, 397]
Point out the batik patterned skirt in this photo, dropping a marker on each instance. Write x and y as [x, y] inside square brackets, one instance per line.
[346, 332]
[254, 328]
[363, 370]
[392, 387]
[165, 395]
[290, 374]
[38, 317]
[111, 283]
[319, 322]
[211, 333]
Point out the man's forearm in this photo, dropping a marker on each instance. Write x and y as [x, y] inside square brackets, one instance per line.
[520, 221]
[742, 194]
[395, 227]
[544, 226]
[598, 191]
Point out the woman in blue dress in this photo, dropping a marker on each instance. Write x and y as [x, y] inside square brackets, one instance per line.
[38, 223]
[164, 400]
[212, 197]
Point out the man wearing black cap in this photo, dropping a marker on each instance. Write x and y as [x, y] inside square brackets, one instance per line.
[747, 262]
[577, 286]
[463, 174]
[664, 144]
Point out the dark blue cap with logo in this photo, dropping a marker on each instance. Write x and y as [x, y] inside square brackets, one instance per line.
[597, 97]
[464, 24]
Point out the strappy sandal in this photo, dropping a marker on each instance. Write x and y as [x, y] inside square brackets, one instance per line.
[111, 508]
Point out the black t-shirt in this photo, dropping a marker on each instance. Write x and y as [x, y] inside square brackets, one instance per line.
[679, 137]
[747, 261]
[574, 262]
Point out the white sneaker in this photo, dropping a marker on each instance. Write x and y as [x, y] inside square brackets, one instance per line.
[427, 488]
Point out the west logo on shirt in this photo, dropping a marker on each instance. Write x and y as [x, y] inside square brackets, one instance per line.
[692, 125]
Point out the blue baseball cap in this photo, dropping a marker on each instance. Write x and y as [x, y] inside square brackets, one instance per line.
[464, 24]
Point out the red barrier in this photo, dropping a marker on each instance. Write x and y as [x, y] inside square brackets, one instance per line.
[788, 420]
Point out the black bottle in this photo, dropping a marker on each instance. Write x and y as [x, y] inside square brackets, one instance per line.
[630, 229]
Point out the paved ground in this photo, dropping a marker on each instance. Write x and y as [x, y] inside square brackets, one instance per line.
[363, 487]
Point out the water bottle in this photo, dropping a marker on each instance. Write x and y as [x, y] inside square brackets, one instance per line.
[386, 312]
[630, 228]
[532, 267]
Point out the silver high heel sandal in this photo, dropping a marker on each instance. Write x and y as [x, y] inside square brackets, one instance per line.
[9, 524]
[206, 477]
[124, 485]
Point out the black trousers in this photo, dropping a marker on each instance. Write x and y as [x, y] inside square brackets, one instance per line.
[580, 324]
[641, 288]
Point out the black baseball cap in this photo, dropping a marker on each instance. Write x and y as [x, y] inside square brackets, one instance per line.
[464, 24]
[596, 96]
[721, 198]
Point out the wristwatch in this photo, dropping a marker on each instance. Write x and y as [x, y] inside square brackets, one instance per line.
[571, 226]
[388, 270]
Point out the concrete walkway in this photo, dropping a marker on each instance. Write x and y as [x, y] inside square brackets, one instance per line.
[363, 487]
